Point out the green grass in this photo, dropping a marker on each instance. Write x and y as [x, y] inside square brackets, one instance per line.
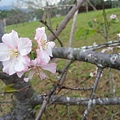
[78, 71]
[28, 29]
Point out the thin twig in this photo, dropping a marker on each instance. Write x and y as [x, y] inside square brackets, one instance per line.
[111, 83]
[105, 21]
[111, 117]
[99, 72]
[45, 102]
[52, 32]
[102, 117]
[68, 112]
[61, 76]
[41, 110]
[99, 46]
[85, 89]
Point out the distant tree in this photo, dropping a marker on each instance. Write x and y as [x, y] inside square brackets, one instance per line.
[95, 2]
[16, 16]
[64, 9]
[3, 13]
[35, 4]
[1, 31]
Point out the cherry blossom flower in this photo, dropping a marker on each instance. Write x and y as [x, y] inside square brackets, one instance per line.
[45, 47]
[107, 49]
[94, 73]
[37, 67]
[114, 18]
[13, 53]
[118, 36]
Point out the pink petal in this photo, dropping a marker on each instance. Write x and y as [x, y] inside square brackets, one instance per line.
[42, 75]
[40, 34]
[33, 62]
[31, 73]
[42, 56]
[50, 67]
[20, 74]
[26, 79]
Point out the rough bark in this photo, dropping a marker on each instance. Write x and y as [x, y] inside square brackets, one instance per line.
[66, 100]
[93, 57]
[23, 108]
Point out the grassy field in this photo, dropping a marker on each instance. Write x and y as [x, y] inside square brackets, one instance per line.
[78, 71]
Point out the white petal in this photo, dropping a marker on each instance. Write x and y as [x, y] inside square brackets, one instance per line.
[49, 51]
[11, 39]
[4, 52]
[26, 79]
[24, 46]
[45, 57]
[20, 74]
[51, 44]
[20, 64]
[9, 66]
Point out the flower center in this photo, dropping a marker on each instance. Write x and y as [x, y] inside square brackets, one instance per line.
[14, 53]
[43, 43]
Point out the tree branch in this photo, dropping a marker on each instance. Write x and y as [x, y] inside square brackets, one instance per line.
[65, 100]
[81, 54]
[99, 72]
[23, 108]
[64, 22]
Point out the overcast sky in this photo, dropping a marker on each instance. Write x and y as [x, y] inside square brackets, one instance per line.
[7, 2]
[11, 2]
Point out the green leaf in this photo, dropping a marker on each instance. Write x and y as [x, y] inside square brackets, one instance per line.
[80, 32]
[9, 89]
[89, 32]
[90, 24]
[32, 55]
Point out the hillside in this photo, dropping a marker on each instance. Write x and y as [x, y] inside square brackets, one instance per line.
[28, 29]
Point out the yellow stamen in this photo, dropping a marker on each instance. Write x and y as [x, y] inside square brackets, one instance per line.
[43, 43]
[14, 53]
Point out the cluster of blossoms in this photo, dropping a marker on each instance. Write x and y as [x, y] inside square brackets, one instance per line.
[118, 36]
[114, 17]
[94, 73]
[16, 54]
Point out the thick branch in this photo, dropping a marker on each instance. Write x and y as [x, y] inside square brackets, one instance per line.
[23, 108]
[97, 58]
[7, 117]
[63, 100]
[64, 22]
